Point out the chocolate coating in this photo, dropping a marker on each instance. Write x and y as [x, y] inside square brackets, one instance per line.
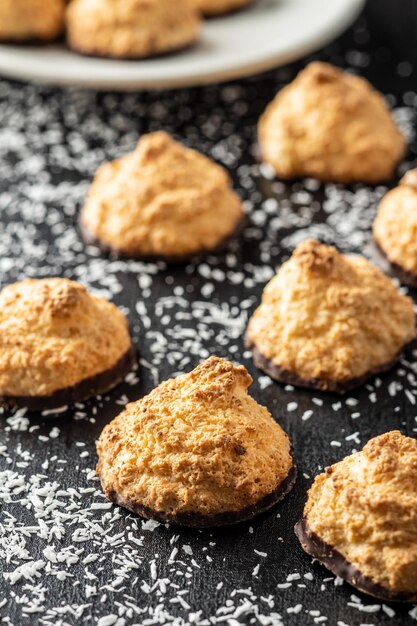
[196, 520]
[91, 240]
[286, 377]
[87, 388]
[339, 566]
[392, 269]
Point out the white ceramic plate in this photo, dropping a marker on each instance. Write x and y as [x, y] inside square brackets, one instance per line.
[268, 34]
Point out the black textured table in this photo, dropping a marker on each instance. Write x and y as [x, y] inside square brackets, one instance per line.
[67, 557]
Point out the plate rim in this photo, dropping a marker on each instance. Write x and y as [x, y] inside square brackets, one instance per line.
[15, 68]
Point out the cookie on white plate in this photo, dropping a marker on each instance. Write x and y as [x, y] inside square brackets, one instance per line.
[131, 29]
[395, 231]
[31, 20]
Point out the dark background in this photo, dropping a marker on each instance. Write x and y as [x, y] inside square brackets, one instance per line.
[89, 565]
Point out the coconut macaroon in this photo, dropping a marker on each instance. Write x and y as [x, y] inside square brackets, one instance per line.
[197, 451]
[59, 344]
[220, 7]
[330, 125]
[31, 20]
[329, 321]
[161, 201]
[395, 231]
[360, 519]
[131, 29]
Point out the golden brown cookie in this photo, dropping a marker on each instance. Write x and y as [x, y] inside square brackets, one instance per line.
[161, 201]
[220, 7]
[31, 20]
[360, 519]
[329, 321]
[131, 29]
[395, 231]
[330, 125]
[197, 451]
[59, 344]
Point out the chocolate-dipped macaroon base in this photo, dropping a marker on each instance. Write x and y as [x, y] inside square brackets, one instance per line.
[196, 520]
[339, 566]
[87, 388]
[282, 375]
[389, 267]
[91, 240]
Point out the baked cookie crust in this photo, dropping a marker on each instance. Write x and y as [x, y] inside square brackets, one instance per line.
[87, 388]
[360, 519]
[60, 344]
[162, 201]
[320, 321]
[330, 125]
[211, 8]
[197, 451]
[131, 29]
[339, 566]
[31, 21]
[395, 231]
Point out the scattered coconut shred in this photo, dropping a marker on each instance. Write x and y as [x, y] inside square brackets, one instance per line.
[69, 557]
